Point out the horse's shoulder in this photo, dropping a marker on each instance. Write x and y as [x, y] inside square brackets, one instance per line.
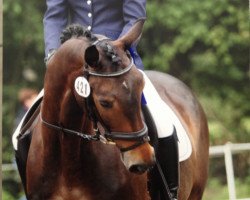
[175, 93]
[169, 81]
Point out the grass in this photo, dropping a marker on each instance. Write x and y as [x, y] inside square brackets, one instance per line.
[215, 190]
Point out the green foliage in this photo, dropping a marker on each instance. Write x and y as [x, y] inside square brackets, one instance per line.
[217, 183]
[7, 196]
[23, 66]
[22, 40]
[23, 50]
[217, 190]
[12, 188]
[9, 111]
[206, 44]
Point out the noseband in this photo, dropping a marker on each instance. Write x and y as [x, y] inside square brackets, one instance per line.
[139, 137]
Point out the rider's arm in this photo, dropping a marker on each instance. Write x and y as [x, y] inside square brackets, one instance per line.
[54, 21]
[132, 10]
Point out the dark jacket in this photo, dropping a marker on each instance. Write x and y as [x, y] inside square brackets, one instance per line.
[112, 18]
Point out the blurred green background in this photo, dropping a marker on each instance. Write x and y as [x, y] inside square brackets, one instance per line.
[204, 43]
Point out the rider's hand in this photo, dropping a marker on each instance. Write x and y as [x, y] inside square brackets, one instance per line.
[50, 54]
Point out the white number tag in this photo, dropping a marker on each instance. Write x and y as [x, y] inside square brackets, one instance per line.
[82, 86]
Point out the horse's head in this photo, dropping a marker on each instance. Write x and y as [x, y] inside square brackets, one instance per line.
[116, 89]
[106, 83]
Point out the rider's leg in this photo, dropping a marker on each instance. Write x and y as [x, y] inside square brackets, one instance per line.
[168, 144]
[169, 161]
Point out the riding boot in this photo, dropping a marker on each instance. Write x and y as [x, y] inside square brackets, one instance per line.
[168, 157]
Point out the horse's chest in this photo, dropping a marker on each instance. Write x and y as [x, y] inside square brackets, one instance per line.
[71, 193]
[95, 189]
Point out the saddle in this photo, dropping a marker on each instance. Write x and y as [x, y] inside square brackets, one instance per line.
[24, 139]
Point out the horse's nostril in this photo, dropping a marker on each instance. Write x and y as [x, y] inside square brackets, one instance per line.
[139, 169]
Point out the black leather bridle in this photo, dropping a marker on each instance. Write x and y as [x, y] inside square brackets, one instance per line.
[139, 137]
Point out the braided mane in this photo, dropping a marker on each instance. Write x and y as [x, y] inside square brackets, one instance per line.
[76, 30]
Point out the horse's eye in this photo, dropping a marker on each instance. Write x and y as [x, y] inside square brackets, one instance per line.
[106, 104]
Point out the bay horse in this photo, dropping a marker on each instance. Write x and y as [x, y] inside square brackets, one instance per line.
[90, 141]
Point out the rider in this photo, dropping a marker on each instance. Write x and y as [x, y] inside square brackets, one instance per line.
[113, 19]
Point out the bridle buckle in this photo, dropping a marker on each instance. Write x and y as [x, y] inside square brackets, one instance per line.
[105, 141]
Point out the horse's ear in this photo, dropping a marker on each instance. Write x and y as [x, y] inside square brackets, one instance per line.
[91, 56]
[133, 35]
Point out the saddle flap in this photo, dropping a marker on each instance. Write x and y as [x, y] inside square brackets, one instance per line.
[24, 139]
[30, 118]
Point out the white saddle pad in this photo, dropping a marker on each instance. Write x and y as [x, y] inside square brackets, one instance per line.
[165, 118]
[165, 121]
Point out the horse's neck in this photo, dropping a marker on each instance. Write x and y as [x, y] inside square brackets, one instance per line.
[62, 109]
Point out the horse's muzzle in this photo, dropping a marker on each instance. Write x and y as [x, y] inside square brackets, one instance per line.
[140, 168]
[139, 160]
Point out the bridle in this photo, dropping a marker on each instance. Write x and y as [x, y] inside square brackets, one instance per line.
[139, 137]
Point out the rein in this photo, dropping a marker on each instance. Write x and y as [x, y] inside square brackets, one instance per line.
[109, 137]
[72, 132]
[139, 137]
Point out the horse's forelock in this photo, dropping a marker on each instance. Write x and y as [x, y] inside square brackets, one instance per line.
[76, 30]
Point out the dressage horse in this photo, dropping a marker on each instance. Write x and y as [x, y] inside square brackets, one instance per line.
[90, 141]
